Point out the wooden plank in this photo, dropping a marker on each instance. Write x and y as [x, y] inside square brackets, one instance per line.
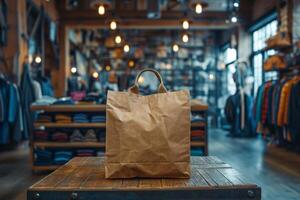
[217, 177]
[69, 108]
[196, 179]
[68, 144]
[150, 183]
[206, 177]
[232, 177]
[174, 183]
[70, 125]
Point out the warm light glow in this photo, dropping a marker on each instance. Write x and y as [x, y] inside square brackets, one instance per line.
[101, 10]
[141, 80]
[198, 8]
[73, 70]
[118, 39]
[95, 75]
[131, 63]
[234, 19]
[126, 48]
[185, 38]
[107, 68]
[113, 25]
[38, 59]
[175, 47]
[236, 4]
[185, 24]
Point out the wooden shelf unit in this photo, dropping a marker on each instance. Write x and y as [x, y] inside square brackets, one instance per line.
[196, 107]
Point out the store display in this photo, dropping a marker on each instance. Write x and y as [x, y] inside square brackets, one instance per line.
[168, 136]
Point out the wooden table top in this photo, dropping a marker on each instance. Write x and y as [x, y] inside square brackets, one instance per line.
[87, 174]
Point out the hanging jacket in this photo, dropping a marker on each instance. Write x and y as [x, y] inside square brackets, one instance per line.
[27, 98]
[15, 114]
[294, 113]
[4, 124]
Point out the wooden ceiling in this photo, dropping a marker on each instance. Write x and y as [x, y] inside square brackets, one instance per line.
[132, 14]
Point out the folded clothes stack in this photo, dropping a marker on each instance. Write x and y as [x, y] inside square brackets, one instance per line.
[98, 118]
[90, 136]
[45, 100]
[40, 135]
[80, 118]
[43, 157]
[197, 118]
[101, 136]
[60, 137]
[196, 152]
[76, 136]
[197, 134]
[61, 157]
[100, 153]
[44, 118]
[61, 118]
[85, 152]
[64, 101]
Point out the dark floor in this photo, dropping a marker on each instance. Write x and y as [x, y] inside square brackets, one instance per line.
[275, 170]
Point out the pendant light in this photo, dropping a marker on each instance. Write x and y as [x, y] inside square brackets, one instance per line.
[185, 24]
[198, 8]
[38, 59]
[113, 25]
[101, 9]
[118, 39]
[185, 37]
[175, 47]
[95, 75]
[73, 70]
[126, 48]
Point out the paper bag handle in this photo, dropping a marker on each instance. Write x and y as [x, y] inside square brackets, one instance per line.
[135, 87]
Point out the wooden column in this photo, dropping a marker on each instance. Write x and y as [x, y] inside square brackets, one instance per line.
[16, 49]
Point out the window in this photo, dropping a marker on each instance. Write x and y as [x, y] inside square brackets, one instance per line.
[230, 56]
[259, 36]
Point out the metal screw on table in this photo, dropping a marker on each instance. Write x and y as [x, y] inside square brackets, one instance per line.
[36, 196]
[251, 194]
[74, 196]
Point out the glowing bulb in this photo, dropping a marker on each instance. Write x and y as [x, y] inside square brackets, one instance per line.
[113, 25]
[198, 8]
[185, 38]
[236, 4]
[118, 39]
[141, 80]
[185, 24]
[175, 47]
[101, 10]
[126, 48]
[95, 75]
[107, 68]
[131, 63]
[211, 76]
[234, 19]
[73, 70]
[38, 59]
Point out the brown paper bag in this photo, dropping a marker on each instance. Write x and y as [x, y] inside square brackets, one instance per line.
[148, 136]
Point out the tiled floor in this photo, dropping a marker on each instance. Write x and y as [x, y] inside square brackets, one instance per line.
[276, 171]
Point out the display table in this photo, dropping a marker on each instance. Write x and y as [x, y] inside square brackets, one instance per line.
[83, 178]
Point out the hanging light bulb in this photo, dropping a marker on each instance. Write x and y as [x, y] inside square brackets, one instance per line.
[38, 59]
[175, 47]
[73, 70]
[185, 38]
[95, 75]
[118, 39]
[236, 4]
[131, 63]
[185, 24]
[198, 8]
[107, 67]
[234, 19]
[101, 9]
[126, 48]
[113, 25]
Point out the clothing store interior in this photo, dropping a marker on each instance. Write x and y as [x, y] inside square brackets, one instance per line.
[214, 85]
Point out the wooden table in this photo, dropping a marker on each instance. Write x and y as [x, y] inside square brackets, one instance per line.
[83, 178]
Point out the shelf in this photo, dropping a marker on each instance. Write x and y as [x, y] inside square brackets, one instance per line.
[198, 144]
[198, 124]
[196, 105]
[70, 125]
[69, 144]
[69, 108]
